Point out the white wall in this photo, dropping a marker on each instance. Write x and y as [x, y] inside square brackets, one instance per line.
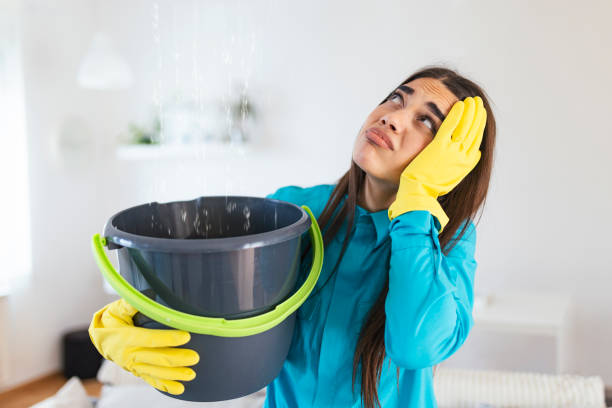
[318, 68]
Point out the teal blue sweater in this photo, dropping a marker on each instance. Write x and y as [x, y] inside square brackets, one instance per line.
[428, 309]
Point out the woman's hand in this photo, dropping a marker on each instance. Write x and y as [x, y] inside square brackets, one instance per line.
[444, 162]
[146, 353]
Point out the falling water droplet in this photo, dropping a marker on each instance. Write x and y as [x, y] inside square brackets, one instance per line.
[208, 228]
[247, 215]
[230, 207]
[196, 224]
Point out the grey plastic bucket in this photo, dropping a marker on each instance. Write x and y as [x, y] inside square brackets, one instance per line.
[222, 256]
[238, 355]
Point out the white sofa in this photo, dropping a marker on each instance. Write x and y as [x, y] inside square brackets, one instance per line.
[454, 389]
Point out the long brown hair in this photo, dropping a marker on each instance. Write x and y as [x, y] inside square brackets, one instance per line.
[461, 204]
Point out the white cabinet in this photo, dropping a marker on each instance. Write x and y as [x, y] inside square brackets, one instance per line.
[518, 331]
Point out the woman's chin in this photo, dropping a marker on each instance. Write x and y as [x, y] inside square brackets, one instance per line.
[371, 166]
[366, 156]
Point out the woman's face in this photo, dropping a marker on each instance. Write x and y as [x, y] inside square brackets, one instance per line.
[408, 120]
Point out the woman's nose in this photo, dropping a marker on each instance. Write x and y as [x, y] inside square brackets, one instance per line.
[386, 122]
[390, 122]
[398, 121]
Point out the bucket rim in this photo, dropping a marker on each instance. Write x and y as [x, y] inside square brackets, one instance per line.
[205, 245]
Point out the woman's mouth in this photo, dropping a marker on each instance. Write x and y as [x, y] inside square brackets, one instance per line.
[379, 138]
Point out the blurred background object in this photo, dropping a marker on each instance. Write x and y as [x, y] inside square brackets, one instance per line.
[102, 68]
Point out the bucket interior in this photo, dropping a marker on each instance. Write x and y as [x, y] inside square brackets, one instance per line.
[207, 217]
[169, 252]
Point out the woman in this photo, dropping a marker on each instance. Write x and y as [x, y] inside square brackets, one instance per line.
[395, 293]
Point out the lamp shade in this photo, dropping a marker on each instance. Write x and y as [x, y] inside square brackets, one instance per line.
[102, 67]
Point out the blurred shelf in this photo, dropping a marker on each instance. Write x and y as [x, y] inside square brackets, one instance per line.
[527, 312]
[182, 151]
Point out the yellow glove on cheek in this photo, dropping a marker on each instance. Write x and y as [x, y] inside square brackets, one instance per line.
[147, 353]
[444, 162]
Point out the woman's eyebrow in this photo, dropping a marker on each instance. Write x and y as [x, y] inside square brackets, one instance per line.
[406, 89]
[432, 106]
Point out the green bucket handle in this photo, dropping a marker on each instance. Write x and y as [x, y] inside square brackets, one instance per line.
[214, 326]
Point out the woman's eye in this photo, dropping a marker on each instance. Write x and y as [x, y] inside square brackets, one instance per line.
[396, 98]
[431, 123]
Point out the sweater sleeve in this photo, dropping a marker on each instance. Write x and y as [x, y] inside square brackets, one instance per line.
[429, 304]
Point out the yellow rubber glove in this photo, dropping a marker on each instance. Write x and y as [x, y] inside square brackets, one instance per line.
[444, 162]
[147, 353]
